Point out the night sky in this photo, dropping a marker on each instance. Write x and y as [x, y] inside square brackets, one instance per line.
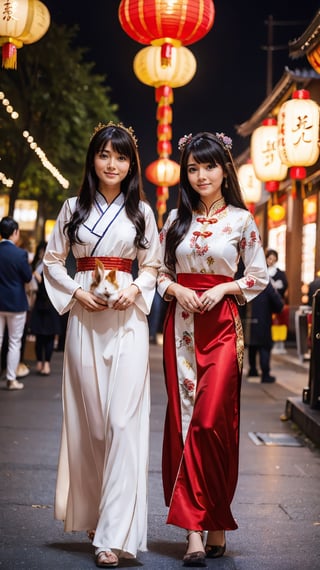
[231, 77]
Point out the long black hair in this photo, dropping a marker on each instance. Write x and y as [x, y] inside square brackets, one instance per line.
[124, 143]
[206, 148]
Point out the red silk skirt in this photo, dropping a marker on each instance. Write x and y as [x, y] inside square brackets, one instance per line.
[200, 475]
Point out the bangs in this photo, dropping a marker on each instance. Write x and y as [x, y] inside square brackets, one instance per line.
[206, 151]
[119, 142]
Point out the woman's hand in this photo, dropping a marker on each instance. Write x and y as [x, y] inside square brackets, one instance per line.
[126, 297]
[212, 296]
[89, 301]
[187, 298]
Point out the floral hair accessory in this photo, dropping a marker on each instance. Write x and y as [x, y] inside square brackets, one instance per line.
[184, 141]
[224, 140]
[129, 130]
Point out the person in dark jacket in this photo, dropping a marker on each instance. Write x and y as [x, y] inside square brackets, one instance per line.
[257, 330]
[15, 273]
[44, 319]
[313, 288]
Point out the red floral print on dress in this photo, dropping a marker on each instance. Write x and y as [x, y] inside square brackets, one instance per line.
[186, 337]
[253, 239]
[185, 315]
[189, 386]
[227, 229]
[243, 243]
[250, 281]
[199, 249]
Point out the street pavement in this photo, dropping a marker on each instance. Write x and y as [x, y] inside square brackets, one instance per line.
[277, 502]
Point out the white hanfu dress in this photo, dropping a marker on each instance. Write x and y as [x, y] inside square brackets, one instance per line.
[103, 463]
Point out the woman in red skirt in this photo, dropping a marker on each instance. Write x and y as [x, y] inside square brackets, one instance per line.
[202, 243]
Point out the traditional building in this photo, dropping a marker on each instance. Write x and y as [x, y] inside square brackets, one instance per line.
[295, 231]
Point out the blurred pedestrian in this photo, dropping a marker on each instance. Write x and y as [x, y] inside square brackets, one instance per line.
[44, 321]
[278, 276]
[203, 240]
[15, 273]
[279, 281]
[103, 464]
[258, 338]
[313, 288]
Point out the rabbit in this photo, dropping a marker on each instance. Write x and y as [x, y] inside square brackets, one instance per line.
[105, 284]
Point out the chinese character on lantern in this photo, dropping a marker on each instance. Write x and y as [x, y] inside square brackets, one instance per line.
[21, 22]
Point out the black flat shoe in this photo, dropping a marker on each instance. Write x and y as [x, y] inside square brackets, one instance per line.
[195, 559]
[213, 551]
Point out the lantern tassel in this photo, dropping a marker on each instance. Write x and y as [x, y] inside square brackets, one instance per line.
[166, 54]
[9, 56]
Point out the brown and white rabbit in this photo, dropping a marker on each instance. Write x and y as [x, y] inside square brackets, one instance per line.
[105, 284]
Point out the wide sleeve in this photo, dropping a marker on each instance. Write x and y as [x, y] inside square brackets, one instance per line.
[59, 285]
[148, 262]
[255, 277]
[165, 276]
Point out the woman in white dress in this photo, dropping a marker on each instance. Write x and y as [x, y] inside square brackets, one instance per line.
[103, 462]
[203, 241]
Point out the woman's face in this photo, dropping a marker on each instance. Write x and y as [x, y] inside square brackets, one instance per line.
[206, 179]
[111, 167]
[271, 260]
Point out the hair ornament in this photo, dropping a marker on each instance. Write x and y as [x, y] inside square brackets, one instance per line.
[129, 130]
[224, 140]
[184, 141]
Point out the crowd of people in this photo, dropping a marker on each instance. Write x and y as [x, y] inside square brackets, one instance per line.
[189, 273]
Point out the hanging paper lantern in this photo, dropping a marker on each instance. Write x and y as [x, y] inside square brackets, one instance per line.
[148, 70]
[298, 133]
[21, 22]
[314, 58]
[166, 23]
[163, 172]
[265, 157]
[250, 185]
[276, 213]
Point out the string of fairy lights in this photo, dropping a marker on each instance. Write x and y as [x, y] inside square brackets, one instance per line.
[34, 146]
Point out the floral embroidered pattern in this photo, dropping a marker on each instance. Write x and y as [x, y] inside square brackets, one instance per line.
[189, 386]
[198, 248]
[187, 338]
[227, 229]
[250, 281]
[239, 334]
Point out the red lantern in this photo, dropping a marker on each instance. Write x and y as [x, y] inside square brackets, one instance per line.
[166, 23]
[298, 133]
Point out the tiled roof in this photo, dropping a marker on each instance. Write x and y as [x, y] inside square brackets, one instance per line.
[280, 93]
[308, 41]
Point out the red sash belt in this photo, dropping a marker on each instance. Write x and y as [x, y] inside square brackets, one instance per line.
[201, 281]
[89, 263]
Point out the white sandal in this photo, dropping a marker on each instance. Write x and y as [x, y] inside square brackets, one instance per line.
[106, 559]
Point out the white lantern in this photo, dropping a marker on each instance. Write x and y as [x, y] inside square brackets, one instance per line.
[250, 185]
[265, 156]
[21, 22]
[298, 132]
[148, 69]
